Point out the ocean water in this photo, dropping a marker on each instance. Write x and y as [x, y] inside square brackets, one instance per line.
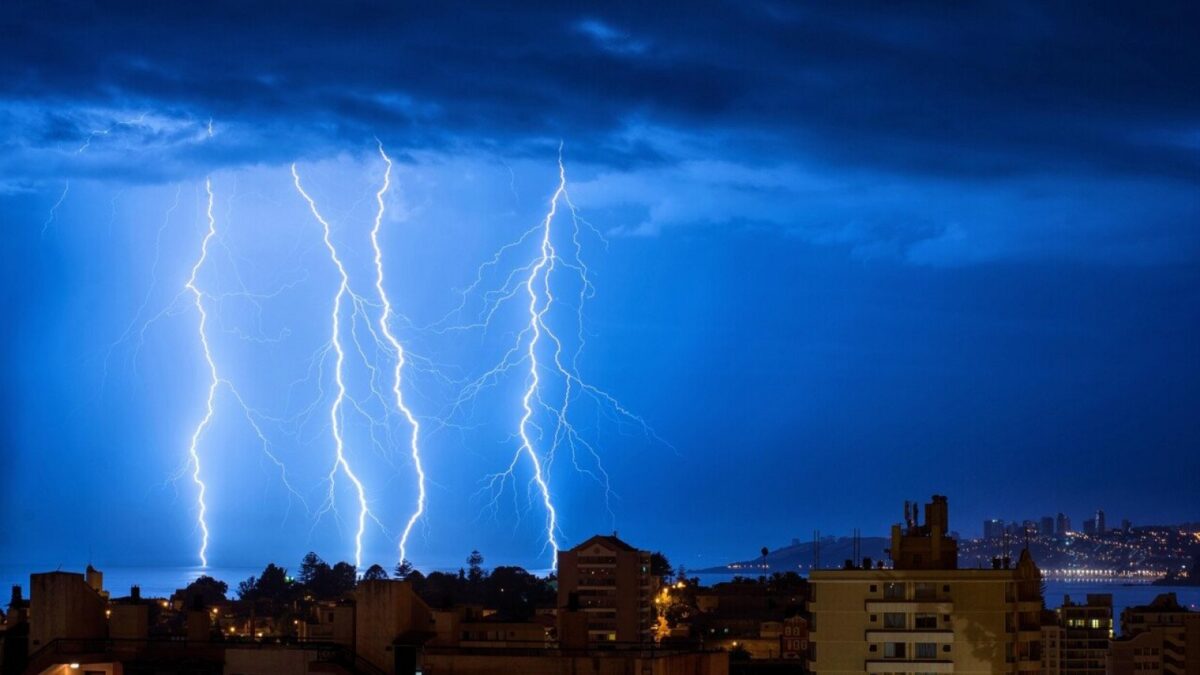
[154, 581]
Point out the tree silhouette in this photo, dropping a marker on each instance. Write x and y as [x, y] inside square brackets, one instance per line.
[404, 568]
[312, 567]
[204, 591]
[375, 573]
[475, 564]
[660, 566]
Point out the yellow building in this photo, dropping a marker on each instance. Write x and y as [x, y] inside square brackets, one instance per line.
[924, 615]
[1162, 638]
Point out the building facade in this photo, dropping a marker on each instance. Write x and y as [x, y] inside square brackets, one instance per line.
[1162, 638]
[610, 584]
[1086, 631]
[925, 615]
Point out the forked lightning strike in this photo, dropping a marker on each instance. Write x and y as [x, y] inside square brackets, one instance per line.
[214, 379]
[214, 384]
[385, 328]
[534, 280]
[335, 410]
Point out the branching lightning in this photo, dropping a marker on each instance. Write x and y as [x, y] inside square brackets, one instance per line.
[536, 341]
[362, 330]
[214, 379]
[335, 409]
[398, 350]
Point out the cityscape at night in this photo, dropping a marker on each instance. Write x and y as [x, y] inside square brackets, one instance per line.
[720, 338]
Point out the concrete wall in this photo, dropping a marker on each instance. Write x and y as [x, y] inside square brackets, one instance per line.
[268, 661]
[129, 622]
[385, 610]
[62, 605]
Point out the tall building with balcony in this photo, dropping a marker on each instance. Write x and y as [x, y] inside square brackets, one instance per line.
[1086, 630]
[1162, 638]
[610, 584]
[925, 615]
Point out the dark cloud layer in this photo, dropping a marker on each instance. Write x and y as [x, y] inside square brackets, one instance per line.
[982, 89]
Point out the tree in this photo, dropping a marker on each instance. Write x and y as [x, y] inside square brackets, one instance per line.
[681, 575]
[311, 567]
[205, 591]
[375, 573]
[660, 566]
[404, 568]
[272, 589]
[273, 584]
[475, 565]
[515, 593]
[342, 579]
[247, 590]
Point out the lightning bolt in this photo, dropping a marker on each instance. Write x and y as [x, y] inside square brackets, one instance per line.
[398, 350]
[50, 218]
[215, 383]
[536, 341]
[214, 379]
[536, 326]
[335, 410]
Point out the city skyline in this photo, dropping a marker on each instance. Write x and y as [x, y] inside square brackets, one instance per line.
[812, 264]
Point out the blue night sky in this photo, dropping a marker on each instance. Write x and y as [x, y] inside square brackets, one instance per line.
[843, 255]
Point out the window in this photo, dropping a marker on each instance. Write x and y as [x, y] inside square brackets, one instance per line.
[893, 650]
[893, 590]
[873, 648]
[895, 620]
[874, 588]
[926, 650]
[926, 622]
[946, 648]
[925, 591]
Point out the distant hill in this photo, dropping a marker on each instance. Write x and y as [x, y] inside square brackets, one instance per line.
[799, 557]
[1141, 552]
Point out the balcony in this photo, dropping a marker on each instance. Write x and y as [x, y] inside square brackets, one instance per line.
[909, 606]
[890, 666]
[917, 635]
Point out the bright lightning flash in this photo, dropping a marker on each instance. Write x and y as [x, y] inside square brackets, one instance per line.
[214, 384]
[533, 280]
[385, 328]
[214, 379]
[335, 410]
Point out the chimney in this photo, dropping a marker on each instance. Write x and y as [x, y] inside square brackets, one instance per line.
[16, 595]
[95, 579]
[135, 592]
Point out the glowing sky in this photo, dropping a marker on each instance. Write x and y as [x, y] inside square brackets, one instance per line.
[842, 258]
